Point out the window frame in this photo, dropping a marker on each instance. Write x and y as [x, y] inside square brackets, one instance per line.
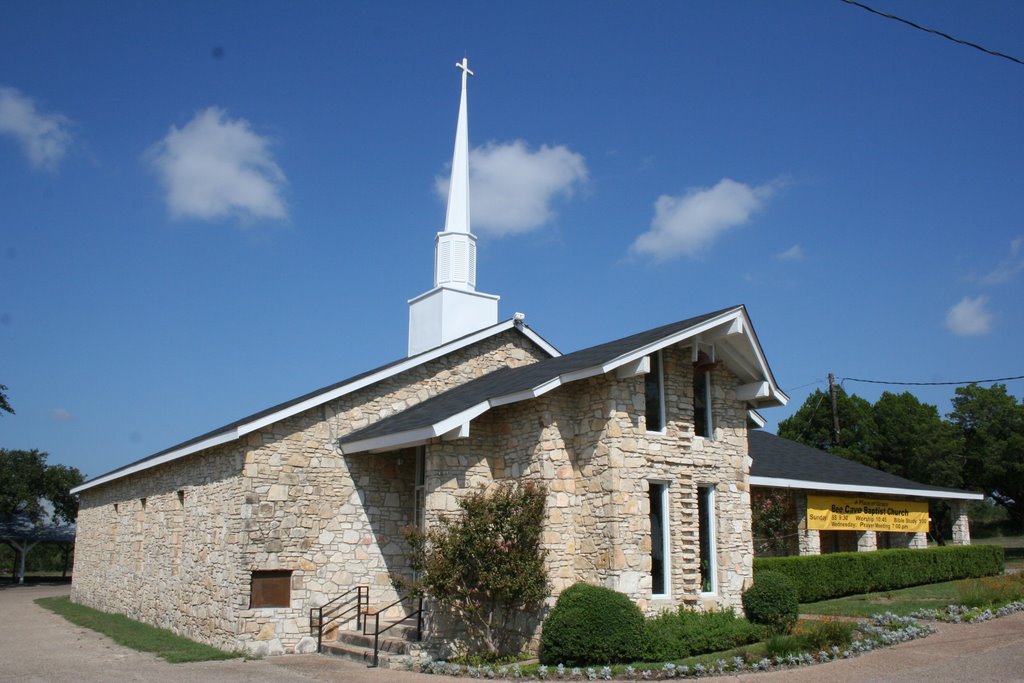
[706, 509]
[657, 374]
[265, 592]
[662, 487]
[709, 422]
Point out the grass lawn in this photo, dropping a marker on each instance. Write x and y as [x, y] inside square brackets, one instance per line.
[989, 591]
[902, 602]
[134, 634]
[1012, 545]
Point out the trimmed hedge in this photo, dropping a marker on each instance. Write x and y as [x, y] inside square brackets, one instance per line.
[685, 633]
[821, 577]
[592, 625]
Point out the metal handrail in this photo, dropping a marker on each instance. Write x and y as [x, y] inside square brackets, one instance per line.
[362, 598]
[377, 630]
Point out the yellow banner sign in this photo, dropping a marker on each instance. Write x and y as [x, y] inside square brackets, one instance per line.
[834, 513]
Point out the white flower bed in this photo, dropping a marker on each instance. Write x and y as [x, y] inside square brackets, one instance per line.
[881, 631]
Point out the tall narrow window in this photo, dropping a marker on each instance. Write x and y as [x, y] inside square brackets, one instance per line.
[654, 395]
[659, 539]
[420, 493]
[706, 527]
[702, 424]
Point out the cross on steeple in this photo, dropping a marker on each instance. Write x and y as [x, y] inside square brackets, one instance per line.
[464, 65]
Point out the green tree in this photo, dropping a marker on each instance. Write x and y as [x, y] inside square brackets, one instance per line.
[486, 565]
[5, 405]
[991, 422]
[26, 481]
[897, 434]
[812, 425]
[913, 441]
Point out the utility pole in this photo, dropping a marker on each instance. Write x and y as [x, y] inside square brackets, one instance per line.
[835, 409]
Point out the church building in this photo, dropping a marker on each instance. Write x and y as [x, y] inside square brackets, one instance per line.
[641, 443]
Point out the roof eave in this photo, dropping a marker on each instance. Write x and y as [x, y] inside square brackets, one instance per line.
[776, 482]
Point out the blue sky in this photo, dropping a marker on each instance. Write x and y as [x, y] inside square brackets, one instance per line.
[209, 208]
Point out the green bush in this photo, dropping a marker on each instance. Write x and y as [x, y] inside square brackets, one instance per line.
[676, 635]
[812, 637]
[820, 577]
[772, 601]
[486, 566]
[592, 625]
[993, 591]
[822, 635]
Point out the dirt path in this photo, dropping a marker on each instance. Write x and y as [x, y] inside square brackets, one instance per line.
[39, 646]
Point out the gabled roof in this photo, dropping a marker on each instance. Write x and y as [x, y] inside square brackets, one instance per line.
[450, 413]
[239, 428]
[782, 463]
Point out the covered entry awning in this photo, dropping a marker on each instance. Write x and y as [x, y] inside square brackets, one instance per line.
[22, 534]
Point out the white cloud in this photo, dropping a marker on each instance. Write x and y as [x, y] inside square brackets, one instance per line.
[512, 188]
[1007, 269]
[794, 253]
[969, 317]
[690, 223]
[61, 415]
[44, 138]
[216, 167]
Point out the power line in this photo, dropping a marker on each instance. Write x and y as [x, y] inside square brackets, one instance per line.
[933, 32]
[930, 384]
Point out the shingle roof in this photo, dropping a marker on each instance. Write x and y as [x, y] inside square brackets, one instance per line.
[511, 381]
[783, 460]
[234, 429]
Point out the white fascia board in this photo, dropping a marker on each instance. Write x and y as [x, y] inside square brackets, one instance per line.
[753, 391]
[756, 417]
[539, 341]
[409, 437]
[388, 441]
[641, 366]
[527, 394]
[390, 371]
[669, 341]
[852, 488]
[214, 440]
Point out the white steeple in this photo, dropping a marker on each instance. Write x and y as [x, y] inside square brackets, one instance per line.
[457, 217]
[453, 308]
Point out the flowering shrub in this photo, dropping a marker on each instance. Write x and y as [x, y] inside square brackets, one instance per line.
[486, 565]
[773, 520]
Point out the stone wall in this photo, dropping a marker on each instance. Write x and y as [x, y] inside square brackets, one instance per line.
[164, 548]
[587, 443]
[280, 498]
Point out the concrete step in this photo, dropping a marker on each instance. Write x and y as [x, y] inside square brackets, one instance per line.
[363, 655]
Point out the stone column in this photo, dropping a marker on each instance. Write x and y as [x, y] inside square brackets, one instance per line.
[809, 540]
[918, 540]
[867, 540]
[961, 530]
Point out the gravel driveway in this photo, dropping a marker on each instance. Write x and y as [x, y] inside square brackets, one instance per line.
[39, 646]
